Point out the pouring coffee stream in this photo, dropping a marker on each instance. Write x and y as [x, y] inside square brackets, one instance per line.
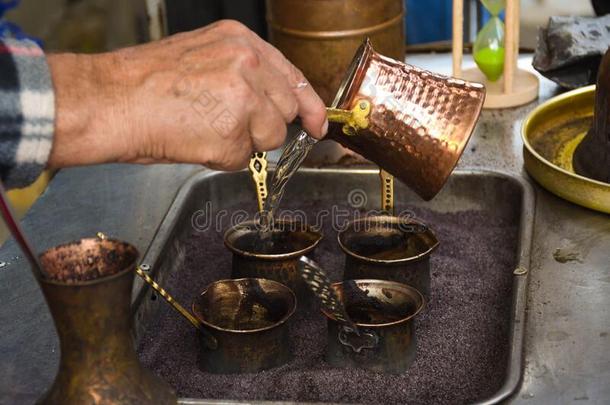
[291, 159]
[295, 153]
[414, 124]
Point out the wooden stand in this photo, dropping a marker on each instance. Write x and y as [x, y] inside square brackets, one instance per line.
[516, 86]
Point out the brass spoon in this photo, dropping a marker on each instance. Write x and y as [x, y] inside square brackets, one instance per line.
[209, 340]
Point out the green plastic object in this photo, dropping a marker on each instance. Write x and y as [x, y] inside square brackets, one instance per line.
[488, 50]
[494, 7]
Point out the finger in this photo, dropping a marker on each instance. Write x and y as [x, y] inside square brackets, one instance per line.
[270, 82]
[311, 110]
[267, 126]
[311, 107]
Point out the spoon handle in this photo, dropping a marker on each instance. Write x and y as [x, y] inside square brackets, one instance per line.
[387, 191]
[210, 340]
[258, 171]
[320, 284]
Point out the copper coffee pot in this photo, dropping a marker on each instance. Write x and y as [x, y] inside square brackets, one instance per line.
[87, 285]
[413, 123]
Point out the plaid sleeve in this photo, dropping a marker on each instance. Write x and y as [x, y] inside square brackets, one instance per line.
[27, 112]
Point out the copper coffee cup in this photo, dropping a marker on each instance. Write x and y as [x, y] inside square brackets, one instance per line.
[385, 309]
[413, 123]
[290, 240]
[388, 248]
[249, 320]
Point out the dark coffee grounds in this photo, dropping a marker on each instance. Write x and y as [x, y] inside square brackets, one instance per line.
[387, 246]
[280, 242]
[462, 333]
[374, 316]
[364, 305]
[87, 260]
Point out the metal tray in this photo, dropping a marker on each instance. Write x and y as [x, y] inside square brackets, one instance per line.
[466, 190]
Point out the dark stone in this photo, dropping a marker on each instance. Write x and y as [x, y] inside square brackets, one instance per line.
[592, 157]
[570, 49]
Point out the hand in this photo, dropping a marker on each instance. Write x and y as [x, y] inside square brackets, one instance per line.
[211, 96]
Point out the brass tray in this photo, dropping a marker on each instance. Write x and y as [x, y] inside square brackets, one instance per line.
[550, 135]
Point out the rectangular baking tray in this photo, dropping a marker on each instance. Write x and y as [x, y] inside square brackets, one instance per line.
[466, 190]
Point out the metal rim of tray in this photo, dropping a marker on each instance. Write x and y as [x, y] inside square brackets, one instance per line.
[568, 185]
[515, 366]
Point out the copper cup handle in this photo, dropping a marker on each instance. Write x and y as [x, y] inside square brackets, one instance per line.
[353, 120]
[258, 171]
[210, 341]
[387, 191]
[349, 334]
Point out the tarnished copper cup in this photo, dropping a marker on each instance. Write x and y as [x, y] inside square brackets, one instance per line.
[388, 248]
[290, 240]
[88, 286]
[413, 123]
[248, 317]
[380, 307]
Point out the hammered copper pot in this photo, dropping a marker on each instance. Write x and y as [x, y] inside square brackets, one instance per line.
[383, 308]
[389, 248]
[320, 38]
[413, 123]
[88, 290]
[249, 319]
[292, 240]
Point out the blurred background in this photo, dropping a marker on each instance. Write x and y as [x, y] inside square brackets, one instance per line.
[96, 25]
[100, 25]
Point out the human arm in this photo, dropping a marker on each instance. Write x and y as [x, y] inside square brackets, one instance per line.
[211, 96]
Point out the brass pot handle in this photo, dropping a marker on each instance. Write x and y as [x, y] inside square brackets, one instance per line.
[387, 191]
[258, 171]
[210, 341]
[354, 120]
[349, 333]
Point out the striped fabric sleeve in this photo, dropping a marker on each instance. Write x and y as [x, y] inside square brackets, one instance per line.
[27, 112]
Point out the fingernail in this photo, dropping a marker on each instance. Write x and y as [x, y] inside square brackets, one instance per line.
[325, 128]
